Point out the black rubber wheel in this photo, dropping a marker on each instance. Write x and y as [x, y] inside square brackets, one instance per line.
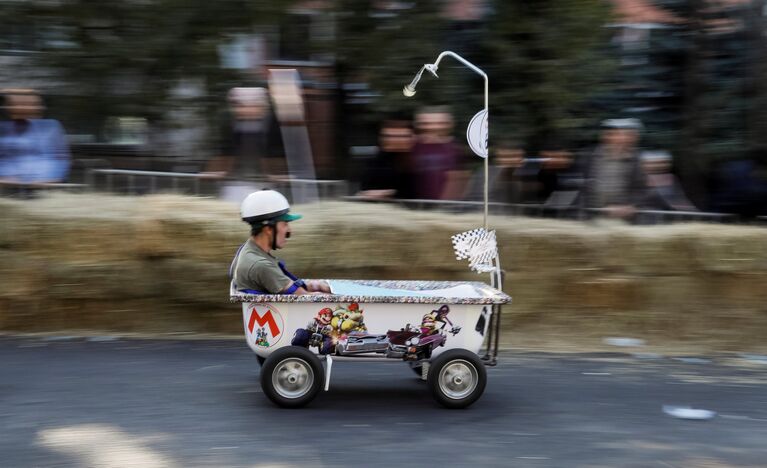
[261, 360]
[457, 378]
[292, 376]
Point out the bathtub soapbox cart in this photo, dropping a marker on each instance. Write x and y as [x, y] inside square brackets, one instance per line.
[435, 327]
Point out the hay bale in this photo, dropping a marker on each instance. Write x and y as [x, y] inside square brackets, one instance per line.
[159, 263]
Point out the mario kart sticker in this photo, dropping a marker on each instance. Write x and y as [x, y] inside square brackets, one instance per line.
[329, 326]
[265, 325]
[342, 331]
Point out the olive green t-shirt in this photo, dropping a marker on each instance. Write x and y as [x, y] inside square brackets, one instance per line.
[259, 270]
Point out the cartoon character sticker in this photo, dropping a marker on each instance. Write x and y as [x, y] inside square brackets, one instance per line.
[348, 320]
[265, 325]
[329, 326]
[318, 332]
[342, 330]
[261, 338]
[414, 343]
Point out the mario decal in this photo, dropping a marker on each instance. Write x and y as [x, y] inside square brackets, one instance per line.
[329, 326]
[318, 332]
[264, 324]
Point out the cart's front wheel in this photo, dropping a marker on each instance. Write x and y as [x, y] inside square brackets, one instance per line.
[291, 376]
[457, 378]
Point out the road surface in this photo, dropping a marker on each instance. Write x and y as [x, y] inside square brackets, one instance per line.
[72, 402]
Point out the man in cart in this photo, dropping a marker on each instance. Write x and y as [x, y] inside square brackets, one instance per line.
[254, 269]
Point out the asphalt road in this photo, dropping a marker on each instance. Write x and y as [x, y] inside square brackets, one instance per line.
[78, 402]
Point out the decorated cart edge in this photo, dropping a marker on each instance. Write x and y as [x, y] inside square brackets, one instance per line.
[492, 296]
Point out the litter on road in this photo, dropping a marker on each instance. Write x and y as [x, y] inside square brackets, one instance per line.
[684, 412]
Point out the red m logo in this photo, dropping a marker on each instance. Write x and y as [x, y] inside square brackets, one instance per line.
[267, 319]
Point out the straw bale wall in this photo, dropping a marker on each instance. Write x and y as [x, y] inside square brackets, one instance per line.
[158, 264]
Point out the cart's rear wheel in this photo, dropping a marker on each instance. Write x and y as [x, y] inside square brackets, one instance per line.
[291, 376]
[457, 378]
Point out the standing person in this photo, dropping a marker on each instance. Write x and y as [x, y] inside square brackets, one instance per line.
[436, 157]
[255, 269]
[615, 182]
[251, 145]
[33, 150]
[664, 191]
[384, 176]
[508, 158]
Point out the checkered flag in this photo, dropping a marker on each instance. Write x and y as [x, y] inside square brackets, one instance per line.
[479, 247]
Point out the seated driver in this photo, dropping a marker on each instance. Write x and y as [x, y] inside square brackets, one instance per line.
[254, 269]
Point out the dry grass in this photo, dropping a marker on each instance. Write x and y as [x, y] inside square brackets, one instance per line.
[163, 260]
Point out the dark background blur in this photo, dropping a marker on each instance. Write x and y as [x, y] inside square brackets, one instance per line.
[146, 80]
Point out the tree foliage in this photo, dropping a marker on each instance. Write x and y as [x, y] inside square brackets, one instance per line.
[124, 57]
[549, 62]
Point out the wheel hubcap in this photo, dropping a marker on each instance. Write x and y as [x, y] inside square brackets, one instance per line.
[458, 379]
[292, 378]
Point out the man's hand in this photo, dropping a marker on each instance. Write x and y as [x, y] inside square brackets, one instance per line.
[318, 286]
[620, 211]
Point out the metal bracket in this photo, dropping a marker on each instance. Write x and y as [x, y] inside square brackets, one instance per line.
[328, 367]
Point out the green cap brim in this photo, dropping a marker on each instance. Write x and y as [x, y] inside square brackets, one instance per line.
[288, 217]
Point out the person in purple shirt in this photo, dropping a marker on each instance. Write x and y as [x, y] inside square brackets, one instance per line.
[33, 150]
[436, 157]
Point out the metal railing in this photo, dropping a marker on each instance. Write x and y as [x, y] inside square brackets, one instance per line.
[135, 182]
[25, 190]
[562, 212]
[138, 182]
[326, 188]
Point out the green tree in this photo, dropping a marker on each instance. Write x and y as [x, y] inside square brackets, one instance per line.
[721, 116]
[548, 63]
[124, 57]
[384, 47]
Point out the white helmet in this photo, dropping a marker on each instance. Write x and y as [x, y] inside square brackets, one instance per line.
[265, 207]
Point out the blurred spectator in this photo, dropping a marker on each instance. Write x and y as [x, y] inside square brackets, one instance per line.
[555, 163]
[509, 157]
[384, 176]
[615, 183]
[436, 157]
[738, 188]
[251, 146]
[33, 150]
[251, 141]
[664, 192]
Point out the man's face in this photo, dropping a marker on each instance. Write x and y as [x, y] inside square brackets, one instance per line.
[436, 123]
[244, 110]
[620, 137]
[396, 140]
[509, 157]
[23, 106]
[282, 231]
